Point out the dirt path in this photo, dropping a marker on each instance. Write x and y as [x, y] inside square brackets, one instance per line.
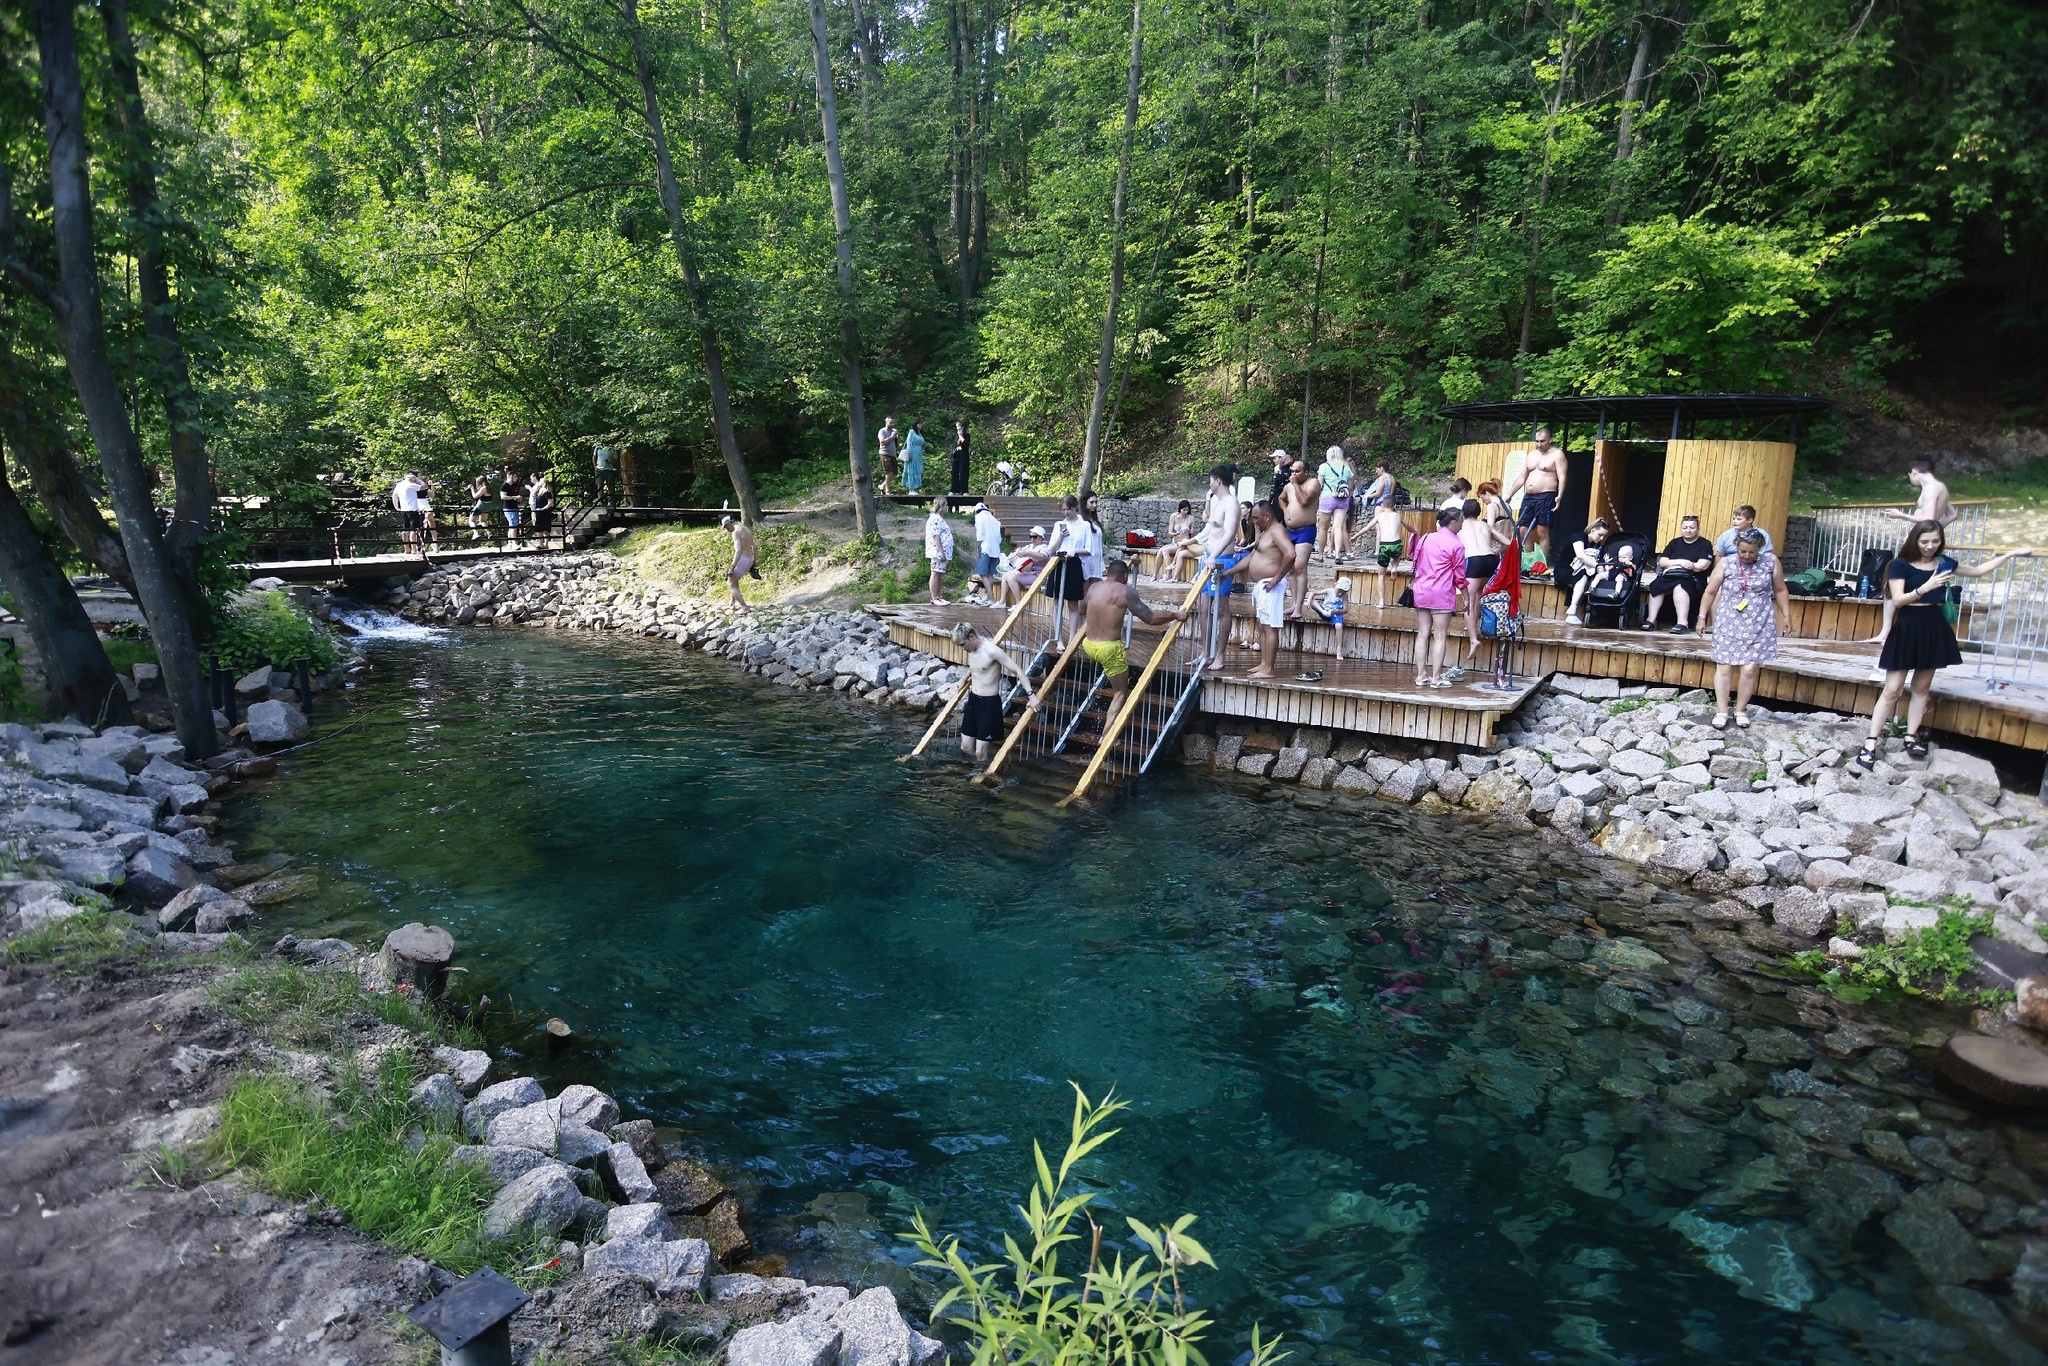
[104, 1256]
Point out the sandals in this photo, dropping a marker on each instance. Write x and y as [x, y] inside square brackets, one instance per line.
[1866, 757]
[1916, 748]
[1742, 721]
[1720, 721]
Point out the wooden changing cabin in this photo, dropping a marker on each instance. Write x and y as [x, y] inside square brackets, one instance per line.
[1644, 461]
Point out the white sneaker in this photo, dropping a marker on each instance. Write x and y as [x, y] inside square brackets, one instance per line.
[1571, 619]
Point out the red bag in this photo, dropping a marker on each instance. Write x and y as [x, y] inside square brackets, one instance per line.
[1139, 538]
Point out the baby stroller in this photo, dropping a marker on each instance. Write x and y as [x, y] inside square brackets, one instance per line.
[1619, 594]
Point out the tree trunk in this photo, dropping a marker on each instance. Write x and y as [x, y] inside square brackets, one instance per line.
[1564, 73]
[83, 330]
[40, 444]
[1624, 132]
[192, 514]
[961, 34]
[849, 321]
[1333, 69]
[693, 284]
[82, 682]
[1105, 355]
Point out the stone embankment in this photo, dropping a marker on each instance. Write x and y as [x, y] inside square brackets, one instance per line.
[1772, 821]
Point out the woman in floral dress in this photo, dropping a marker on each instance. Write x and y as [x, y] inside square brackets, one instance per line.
[1744, 599]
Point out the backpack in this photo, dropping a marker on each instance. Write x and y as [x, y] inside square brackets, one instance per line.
[1495, 621]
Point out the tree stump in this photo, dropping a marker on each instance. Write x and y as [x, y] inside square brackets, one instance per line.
[1996, 1070]
[417, 956]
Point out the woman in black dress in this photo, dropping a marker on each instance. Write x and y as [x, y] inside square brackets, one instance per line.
[960, 453]
[1922, 638]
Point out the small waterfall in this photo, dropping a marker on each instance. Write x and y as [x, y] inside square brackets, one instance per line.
[374, 623]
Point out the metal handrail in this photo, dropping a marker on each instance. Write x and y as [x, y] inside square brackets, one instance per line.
[1953, 502]
[1136, 695]
[960, 693]
[1025, 722]
[1173, 720]
[1080, 710]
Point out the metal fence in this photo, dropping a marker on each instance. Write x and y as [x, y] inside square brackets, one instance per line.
[1841, 534]
[2004, 630]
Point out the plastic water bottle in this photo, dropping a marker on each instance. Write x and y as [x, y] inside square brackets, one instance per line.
[1863, 587]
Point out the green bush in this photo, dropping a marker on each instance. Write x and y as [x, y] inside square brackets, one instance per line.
[1127, 1313]
[1929, 963]
[265, 628]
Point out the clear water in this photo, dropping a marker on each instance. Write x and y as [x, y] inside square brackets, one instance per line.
[1372, 1049]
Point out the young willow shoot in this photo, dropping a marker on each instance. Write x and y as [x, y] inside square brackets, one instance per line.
[1031, 1310]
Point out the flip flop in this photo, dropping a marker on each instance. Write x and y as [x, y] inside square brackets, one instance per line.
[1310, 676]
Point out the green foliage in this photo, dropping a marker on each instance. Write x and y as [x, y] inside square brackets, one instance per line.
[13, 692]
[362, 1153]
[299, 1006]
[1929, 963]
[1032, 1309]
[74, 944]
[124, 654]
[1626, 705]
[221, 553]
[266, 628]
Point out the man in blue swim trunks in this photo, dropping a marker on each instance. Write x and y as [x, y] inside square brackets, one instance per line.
[1541, 484]
[1299, 499]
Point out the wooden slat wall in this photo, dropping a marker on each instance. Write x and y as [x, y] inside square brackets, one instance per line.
[1340, 711]
[1484, 460]
[1610, 483]
[1709, 478]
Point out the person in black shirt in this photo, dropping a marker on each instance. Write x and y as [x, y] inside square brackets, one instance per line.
[1682, 573]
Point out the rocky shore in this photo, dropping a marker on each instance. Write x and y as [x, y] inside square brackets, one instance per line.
[1773, 821]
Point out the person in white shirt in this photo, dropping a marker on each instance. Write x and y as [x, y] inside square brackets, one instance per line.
[1070, 538]
[1091, 555]
[405, 496]
[988, 547]
[938, 548]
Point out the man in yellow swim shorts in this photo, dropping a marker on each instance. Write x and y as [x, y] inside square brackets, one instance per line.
[1107, 602]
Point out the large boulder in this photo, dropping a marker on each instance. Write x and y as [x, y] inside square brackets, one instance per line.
[625, 1176]
[100, 867]
[667, 1266]
[501, 1165]
[1498, 793]
[1965, 774]
[493, 1101]
[466, 1067]
[276, 723]
[638, 1221]
[872, 1333]
[807, 1340]
[155, 877]
[544, 1201]
[588, 1106]
[526, 1126]
[222, 914]
[437, 1098]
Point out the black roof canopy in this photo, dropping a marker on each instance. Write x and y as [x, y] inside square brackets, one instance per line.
[1648, 412]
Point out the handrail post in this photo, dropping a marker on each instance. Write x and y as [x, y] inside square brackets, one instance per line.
[1115, 728]
[960, 693]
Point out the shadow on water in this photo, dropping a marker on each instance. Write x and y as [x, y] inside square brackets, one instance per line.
[1440, 1092]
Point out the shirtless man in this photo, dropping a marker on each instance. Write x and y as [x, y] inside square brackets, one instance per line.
[1219, 543]
[1271, 561]
[1541, 484]
[743, 551]
[1299, 498]
[981, 724]
[1933, 506]
[1109, 598]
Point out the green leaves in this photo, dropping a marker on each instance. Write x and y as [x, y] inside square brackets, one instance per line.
[1127, 1312]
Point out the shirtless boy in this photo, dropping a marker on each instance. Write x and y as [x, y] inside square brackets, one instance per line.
[743, 552]
[1299, 500]
[1272, 559]
[981, 724]
[1541, 484]
[1109, 599]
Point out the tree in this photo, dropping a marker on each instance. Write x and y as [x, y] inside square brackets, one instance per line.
[82, 681]
[849, 318]
[74, 299]
[1105, 356]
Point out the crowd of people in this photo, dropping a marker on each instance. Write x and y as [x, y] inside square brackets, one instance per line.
[1730, 589]
[525, 508]
[902, 455]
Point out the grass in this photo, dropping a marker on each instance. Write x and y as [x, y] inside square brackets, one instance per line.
[2024, 485]
[76, 944]
[1927, 963]
[125, 654]
[364, 1155]
[309, 1007]
[694, 561]
[661, 1352]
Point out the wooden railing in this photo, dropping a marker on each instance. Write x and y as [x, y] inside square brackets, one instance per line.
[1135, 698]
[1033, 713]
[1002, 632]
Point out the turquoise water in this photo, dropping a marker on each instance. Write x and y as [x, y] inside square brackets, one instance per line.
[1437, 1093]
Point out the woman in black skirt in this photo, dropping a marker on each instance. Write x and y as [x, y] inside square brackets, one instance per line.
[1070, 536]
[1922, 639]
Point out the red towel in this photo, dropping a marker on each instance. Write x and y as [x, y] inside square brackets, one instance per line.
[1509, 576]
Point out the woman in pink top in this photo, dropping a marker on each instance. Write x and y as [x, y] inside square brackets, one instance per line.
[1439, 569]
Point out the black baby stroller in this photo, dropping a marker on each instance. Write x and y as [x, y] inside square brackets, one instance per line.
[1619, 594]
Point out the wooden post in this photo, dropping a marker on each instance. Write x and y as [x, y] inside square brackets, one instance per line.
[417, 956]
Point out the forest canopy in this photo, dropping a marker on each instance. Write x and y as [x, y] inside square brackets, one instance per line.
[424, 235]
